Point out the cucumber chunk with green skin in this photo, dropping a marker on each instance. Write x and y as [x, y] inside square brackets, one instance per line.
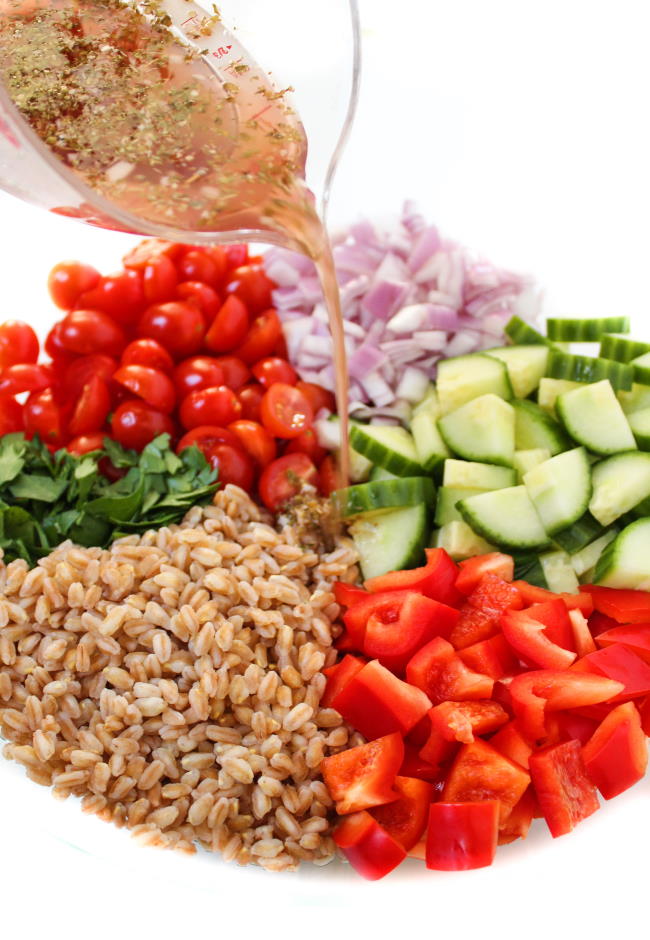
[624, 563]
[621, 348]
[535, 428]
[521, 332]
[390, 447]
[360, 466]
[585, 331]
[378, 473]
[446, 500]
[581, 533]
[525, 460]
[550, 390]
[390, 540]
[525, 364]
[562, 365]
[464, 378]
[639, 422]
[528, 568]
[559, 573]
[482, 430]
[482, 476]
[619, 484]
[430, 448]
[429, 403]
[587, 558]
[641, 366]
[460, 541]
[560, 489]
[507, 517]
[593, 416]
[383, 494]
[637, 399]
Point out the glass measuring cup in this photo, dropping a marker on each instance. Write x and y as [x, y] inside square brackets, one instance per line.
[318, 59]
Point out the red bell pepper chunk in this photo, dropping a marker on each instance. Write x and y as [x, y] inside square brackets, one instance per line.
[537, 595]
[616, 756]
[394, 641]
[338, 677]
[460, 721]
[572, 726]
[493, 657]
[436, 579]
[414, 766]
[347, 595]
[557, 625]
[437, 750]
[406, 818]
[644, 712]
[376, 703]
[527, 636]
[472, 570]
[363, 776]
[520, 819]
[624, 606]
[387, 605]
[419, 850]
[510, 742]
[620, 663]
[368, 848]
[480, 615]
[599, 623]
[565, 793]
[634, 636]
[534, 692]
[462, 835]
[480, 772]
[440, 672]
[583, 641]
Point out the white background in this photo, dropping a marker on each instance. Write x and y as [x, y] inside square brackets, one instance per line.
[521, 128]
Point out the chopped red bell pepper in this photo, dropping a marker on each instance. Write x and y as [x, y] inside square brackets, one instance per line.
[635, 636]
[438, 670]
[616, 756]
[338, 677]
[376, 703]
[436, 579]
[394, 636]
[437, 750]
[599, 623]
[537, 595]
[644, 711]
[472, 570]
[388, 604]
[528, 637]
[480, 772]
[462, 835]
[583, 641]
[419, 850]
[510, 742]
[571, 726]
[520, 819]
[622, 605]
[347, 595]
[363, 776]
[460, 721]
[368, 848]
[406, 818]
[414, 766]
[554, 615]
[480, 615]
[493, 657]
[564, 791]
[620, 663]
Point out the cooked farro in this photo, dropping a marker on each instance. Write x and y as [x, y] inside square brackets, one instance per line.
[173, 682]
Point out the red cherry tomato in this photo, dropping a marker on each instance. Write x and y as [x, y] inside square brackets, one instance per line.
[263, 334]
[18, 343]
[317, 396]
[281, 349]
[218, 406]
[152, 385]
[236, 256]
[68, 280]
[273, 369]
[177, 326]
[85, 331]
[229, 327]
[203, 296]
[233, 464]
[250, 283]
[284, 478]
[329, 476]
[82, 370]
[135, 423]
[255, 440]
[43, 416]
[92, 408]
[307, 443]
[11, 415]
[199, 265]
[149, 249]
[159, 280]
[251, 397]
[197, 373]
[120, 296]
[236, 373]
[53, 347]
[206, 437]
[86, 443]
[147, 352]
[285, 411]
[24, 377]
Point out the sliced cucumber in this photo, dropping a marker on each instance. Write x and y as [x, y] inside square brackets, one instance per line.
[383, 494]
[619, 484]
[581, 533]
[525, 460]
[378, 473]
[460, 541]
[521, 332]
[482, 430]
[430, 402]
[593, 416]
[587, 558]
[483, 476]
[585, 331]
[624, 563]
[525, 364]
[637, 399]
[329, 436]
[535, 428]
[562, 365]
[430, 448]
[621, 348]
[446, 501]
[559, 573]
[390, 540]
[507, 517]
[641, 366]
[549, 391]
[639, 422]
[389, 447]
[528, 568]
[560, 489]
[464, 378]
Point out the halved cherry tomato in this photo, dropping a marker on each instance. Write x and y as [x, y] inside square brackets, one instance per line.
[480, 772]
[616, 756]
[273, 369]
[120, 296]
[197, 264]
[460, 721]
[394, 632]
[285, 478]
[624, 606]
[318, 397]
[338, 677]
[472, 570]
[42, 416]
[218, 406]
[376, 703]
[251, 397]
[24, 377]
[329, 474]
[196, 373]
[285, 411]
[233, 465]
[252, 286]
[159, 280]
[85, 331]
[147, 352]
[368, 848]
[563, 789]
[462, 835]
[86, 443]
[255, 440]
[405, 818]
[229, 327]
[152, 385]
[18, 343]
[91, 409]
[263, 335]
[436, 579]
[438, 670]
[306, 443]
[82, 370]
[480, 615]
[203, 296]
[177, 326]
[68, 280]
[236, 373]
[11, 415]
[135, 423]
[363, 776]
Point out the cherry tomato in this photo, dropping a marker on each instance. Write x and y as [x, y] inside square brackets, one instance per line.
[284, 478]
[307, 443]
[120, 295]
[281, 349]
[135, 423]
[200, 265]
[317, 396]
[149, 249]
[233, 464]
[250, 283]
[85, 331]
[274, 369]
[197, 373]
[285, 411]
[68, 280]
[218, 254]
[263, 334]
[92, 408]
[86, 443]
[44, 417]
[236, 256]
[329, 476]
[217, 405]
[53, 347]
[255, 440]
[229, 327]
[24, 377]
[152, 385]
[207, 436]
[18, 343]
[11, 415]
[251, 397]
[82, 370]
[203, 296]
[147, 352]
[159, 280]
[236, 373]
[177, 326]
